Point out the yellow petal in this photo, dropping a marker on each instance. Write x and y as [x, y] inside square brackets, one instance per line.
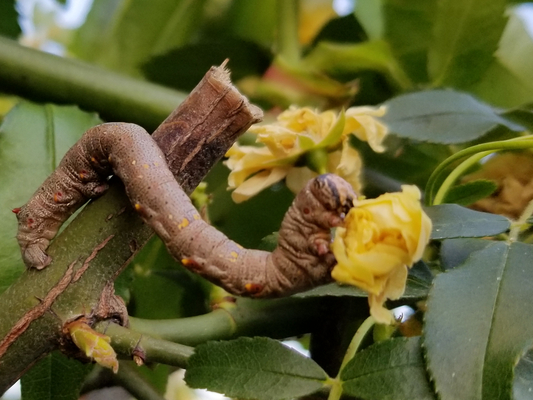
[298, 177]
[257, 183]
[347, 164]
[245, 161]
[361, 122]
[380, 313]
[395, 286]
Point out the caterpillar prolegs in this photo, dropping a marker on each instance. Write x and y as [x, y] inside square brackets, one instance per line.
[301, 260]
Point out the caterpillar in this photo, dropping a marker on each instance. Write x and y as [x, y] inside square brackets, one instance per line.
[301, 260]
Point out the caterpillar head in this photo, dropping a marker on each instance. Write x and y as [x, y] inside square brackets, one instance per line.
[333, 193]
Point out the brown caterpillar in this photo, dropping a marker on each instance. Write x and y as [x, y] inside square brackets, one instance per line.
[301, 260]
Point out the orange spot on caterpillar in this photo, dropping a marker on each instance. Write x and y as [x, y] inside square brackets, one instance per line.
[233, 256]
[137, 207]
[82, 174]
[146, 166]
[57, 196]
[253, 288]
[109, 158]
[93, 159]
[197, 216]
[184, 223]
[16, 210]
[189, 262]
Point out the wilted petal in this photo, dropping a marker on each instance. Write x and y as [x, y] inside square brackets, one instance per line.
[258, 182]
[245, 161]
[348, 165]
[380, 313]
[361, 122]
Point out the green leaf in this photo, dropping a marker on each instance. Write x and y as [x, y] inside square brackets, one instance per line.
[523, 376]
[8, 22]
[403, 160]
[502, 88]
[270, 242]
[508, 81]
[259, 368]
[442, 116]
[56, 377]
[453, 221]
[393, 369]
[369, 13]
[268, 209]
[345, 29]
[515, 51]
[470, 192]
[333, 289]
[408, 30]
[341, 58]
[33, 138]
[161, 288]
[454, 252]
[478, 322]
[122, 34]
[253, 20]
[522, 115]
[417, 286]
[466, 35]
[246, 58]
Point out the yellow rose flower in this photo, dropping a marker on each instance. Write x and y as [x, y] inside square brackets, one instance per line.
[300, 133]
[380, 240]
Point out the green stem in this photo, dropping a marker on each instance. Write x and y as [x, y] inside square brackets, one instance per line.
[191, 331]
[456, 174]
[288, 44]
[355, 344]
[511, 144]
[317, 160]
[46, 77]
[277, 318]
[517, 226]
[357, 339]
[135, 384]
[129, 343]
[336, 390]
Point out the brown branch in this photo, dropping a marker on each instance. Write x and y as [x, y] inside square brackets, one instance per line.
[194, 137]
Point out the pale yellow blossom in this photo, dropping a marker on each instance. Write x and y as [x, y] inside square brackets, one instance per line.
[300, 133]
[380, 240]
